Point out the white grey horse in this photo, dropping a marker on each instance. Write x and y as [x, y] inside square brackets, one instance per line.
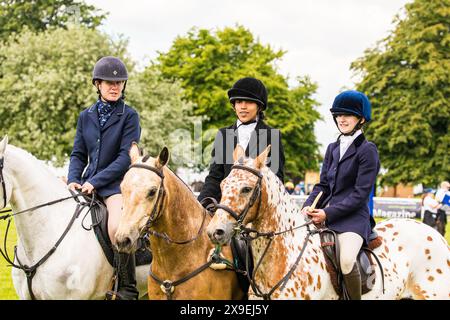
[78, 268]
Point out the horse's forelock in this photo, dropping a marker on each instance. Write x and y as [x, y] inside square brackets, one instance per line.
[145, 158]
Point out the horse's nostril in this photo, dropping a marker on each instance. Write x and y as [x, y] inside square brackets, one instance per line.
[125, 243]
[219, 233]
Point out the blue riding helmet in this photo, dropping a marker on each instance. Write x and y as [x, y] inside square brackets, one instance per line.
[352, 102]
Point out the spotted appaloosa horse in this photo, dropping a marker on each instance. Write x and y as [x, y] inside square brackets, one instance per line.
[176, 216]
[415, 257]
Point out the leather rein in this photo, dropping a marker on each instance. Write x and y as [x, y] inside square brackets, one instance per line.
[30, 271]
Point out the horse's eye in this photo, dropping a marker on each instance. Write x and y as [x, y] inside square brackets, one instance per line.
[151, 193]
[245, 190]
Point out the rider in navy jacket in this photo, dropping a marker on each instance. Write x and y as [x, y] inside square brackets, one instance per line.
[103, 150]
[348, 174]
[100, 157]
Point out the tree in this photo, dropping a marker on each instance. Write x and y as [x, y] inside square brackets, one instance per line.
[46, 83]
[164, 117]
[208, 63]
[39, 15]
[407, 80]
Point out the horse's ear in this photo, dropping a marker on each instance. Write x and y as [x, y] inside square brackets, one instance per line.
[262, 158]
[3, 145]
[135, 152]
[238, 153]
[163, 158]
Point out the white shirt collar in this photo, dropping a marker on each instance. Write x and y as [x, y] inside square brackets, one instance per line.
[346, 141]
[239, 122]
[244, 132]
[350, 139]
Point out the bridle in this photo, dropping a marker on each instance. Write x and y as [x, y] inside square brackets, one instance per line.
[30, 271]
[246, 235]
[168, 286]
[256, 196]
[157, 208]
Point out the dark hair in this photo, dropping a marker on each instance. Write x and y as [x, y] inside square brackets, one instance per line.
[261, 115]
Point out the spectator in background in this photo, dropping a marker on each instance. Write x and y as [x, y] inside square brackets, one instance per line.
[442, 192]
[430, 214]
[298, 190]
[372, 194]
[289, 187]
[302, 186]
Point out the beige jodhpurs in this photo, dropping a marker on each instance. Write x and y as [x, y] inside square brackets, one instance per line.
[350, 243]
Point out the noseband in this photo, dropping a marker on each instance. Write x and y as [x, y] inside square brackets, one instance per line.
[255, 196]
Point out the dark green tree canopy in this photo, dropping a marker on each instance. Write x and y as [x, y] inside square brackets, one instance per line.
[39, 15]
[406, 77]
[46, 83]
[207, 63]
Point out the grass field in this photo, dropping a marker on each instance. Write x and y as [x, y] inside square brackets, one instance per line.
[7, 291]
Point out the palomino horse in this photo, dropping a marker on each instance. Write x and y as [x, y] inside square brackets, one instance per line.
[415, 258]
[158, 202]
[78, 268]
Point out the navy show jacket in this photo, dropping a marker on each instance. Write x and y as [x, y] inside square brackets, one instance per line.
[346, 186]
[105, 151]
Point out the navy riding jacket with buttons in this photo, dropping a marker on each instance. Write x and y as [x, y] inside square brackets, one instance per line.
[346, 186]
[105, 151]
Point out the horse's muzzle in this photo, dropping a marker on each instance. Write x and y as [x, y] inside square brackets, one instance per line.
[124, 245]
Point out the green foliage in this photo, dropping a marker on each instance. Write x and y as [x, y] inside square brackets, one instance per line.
[164, 116]
[406, 77]
[46, 83]
[208, 63]
[39, 15]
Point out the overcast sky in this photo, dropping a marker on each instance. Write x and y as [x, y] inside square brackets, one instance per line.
[321, 37]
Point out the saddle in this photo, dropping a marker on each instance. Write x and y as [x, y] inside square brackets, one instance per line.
[366, 266]
[99, 215]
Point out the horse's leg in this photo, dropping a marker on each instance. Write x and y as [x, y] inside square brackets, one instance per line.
[20, 284]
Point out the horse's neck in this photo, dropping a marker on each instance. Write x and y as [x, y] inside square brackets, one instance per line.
[278, 213]
[181, 219]
[34, 184]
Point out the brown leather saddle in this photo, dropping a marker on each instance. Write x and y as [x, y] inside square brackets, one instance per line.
[366, 265]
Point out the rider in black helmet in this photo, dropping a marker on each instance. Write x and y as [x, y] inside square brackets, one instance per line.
[100, 156]
[248, 97]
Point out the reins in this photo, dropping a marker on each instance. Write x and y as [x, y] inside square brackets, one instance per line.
[168, 286]
[30, 271]
[246, 235]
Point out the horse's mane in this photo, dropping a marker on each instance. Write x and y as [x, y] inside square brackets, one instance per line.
[14, 151]
[145, 158]
[275, 189]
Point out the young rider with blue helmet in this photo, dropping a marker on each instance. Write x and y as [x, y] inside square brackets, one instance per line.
[348, 174]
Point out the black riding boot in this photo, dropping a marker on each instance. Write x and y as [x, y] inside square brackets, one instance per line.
[352, 282]
[126, 273]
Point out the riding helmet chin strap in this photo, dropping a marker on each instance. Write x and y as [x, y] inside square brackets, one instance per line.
[358, 126]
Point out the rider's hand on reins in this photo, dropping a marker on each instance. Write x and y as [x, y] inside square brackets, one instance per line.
[306, 210]
[317, 215]
[74, 186]
[87, 188]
